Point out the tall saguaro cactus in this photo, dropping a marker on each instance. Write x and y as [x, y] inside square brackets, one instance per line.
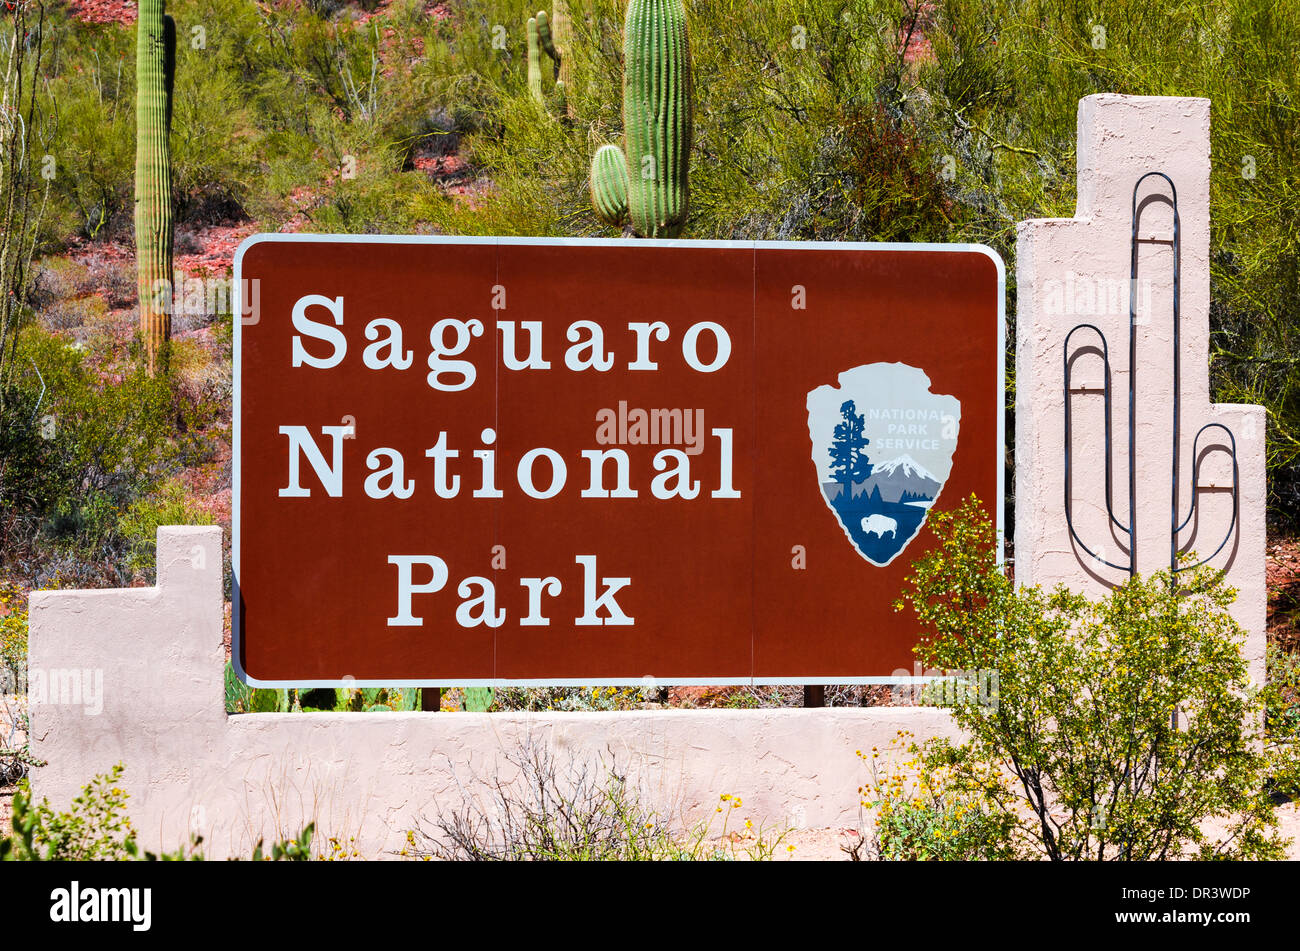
[657, 117]
[550, 35]
[155, 68]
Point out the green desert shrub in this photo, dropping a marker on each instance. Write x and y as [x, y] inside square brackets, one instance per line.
[1076, 743]
[1282, 720]
[91, 94]
[170, 504]
[919, 813]
[13, 632]
[95, 827]
[75, 458]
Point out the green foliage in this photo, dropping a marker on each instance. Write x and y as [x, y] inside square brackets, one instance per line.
[74, 460]
[1283, 695]
[1282, 720]
[97, 828]
[138, 526]
[13, 630]
[1076, 741]
[921, 815]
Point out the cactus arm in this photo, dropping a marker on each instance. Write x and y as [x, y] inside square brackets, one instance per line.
[562, 33]
[549, 35]
[609, 185]
[545, 39]
[155, 71]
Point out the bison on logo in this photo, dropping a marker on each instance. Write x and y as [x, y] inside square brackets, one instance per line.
[882, 446]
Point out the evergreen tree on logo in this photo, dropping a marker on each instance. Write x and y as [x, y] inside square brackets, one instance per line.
[849, 462]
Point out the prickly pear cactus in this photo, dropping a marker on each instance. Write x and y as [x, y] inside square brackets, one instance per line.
[406, 699]
[478, 699]
[155, 68]
[241, 698]
[657, 120]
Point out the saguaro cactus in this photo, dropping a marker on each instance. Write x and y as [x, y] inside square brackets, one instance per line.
[657, 116]
[155, 68]
[549, 35]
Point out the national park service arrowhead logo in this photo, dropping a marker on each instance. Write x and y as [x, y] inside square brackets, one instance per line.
[882, 446]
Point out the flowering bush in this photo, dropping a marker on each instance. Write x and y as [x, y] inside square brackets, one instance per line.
[920, 814]
[1079, 747]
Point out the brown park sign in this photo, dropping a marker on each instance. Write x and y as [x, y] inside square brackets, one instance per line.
[464, 461]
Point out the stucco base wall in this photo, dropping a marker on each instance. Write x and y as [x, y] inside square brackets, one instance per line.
[367, 778]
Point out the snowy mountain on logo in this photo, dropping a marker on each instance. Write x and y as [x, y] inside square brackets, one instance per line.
[911, 468]
[900, 477]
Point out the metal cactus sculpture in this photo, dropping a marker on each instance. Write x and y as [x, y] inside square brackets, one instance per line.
[649, 179]
[155, 68]
[1219, 439]
[549, 35]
